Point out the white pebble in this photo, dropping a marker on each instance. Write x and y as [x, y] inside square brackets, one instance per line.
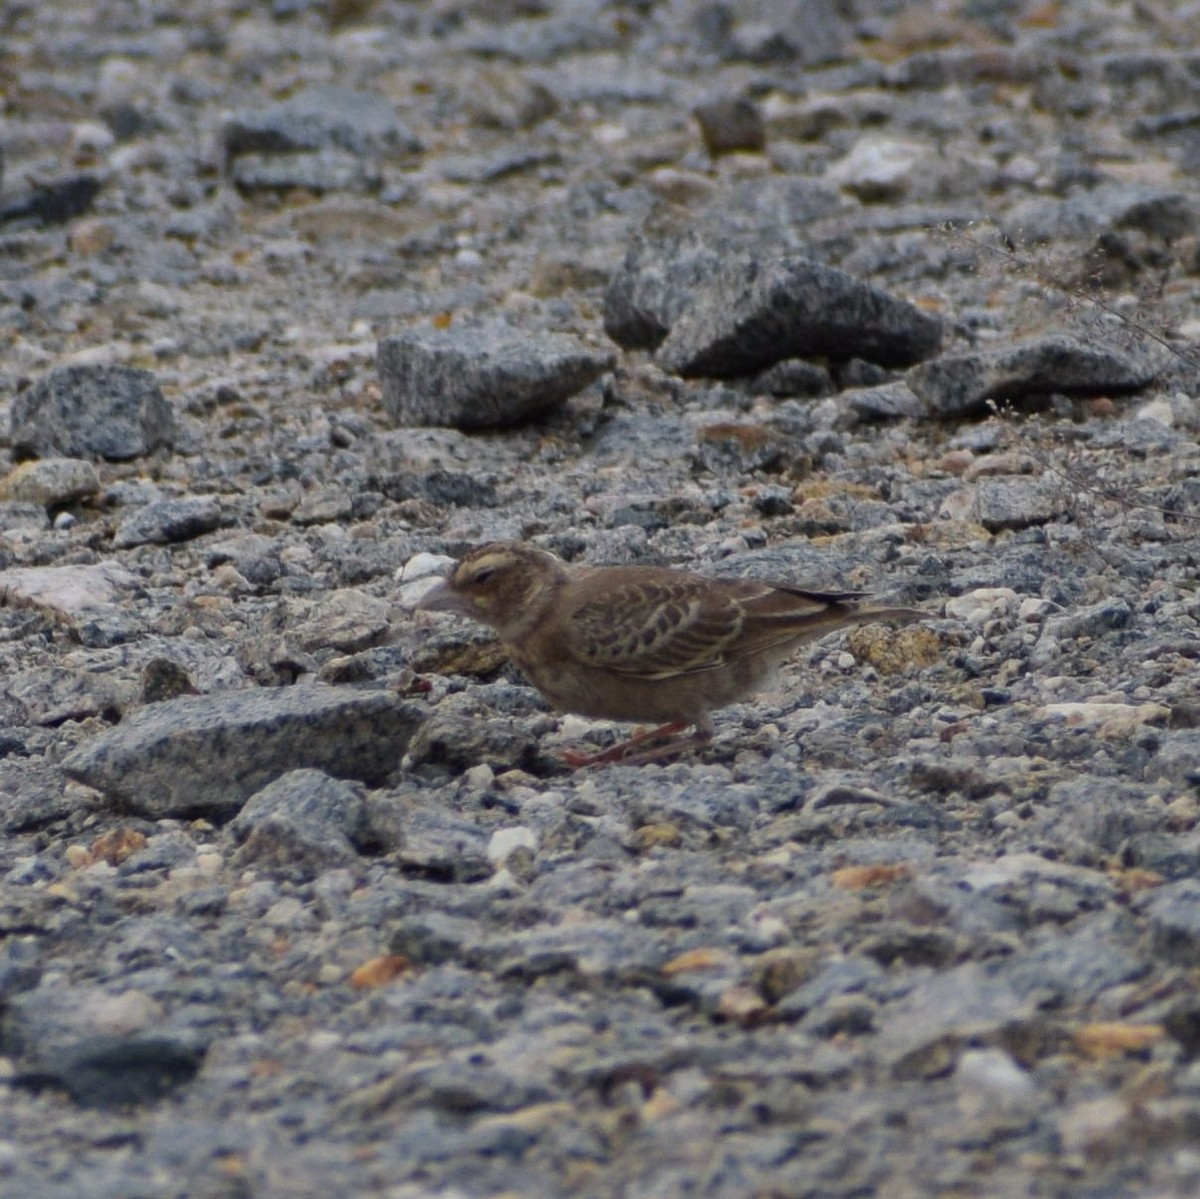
[329, 974]
[479, 778]
[421, 566]
[210, 862]
[411, 594]
[505, 841]
[981, 605]
[994, 1075]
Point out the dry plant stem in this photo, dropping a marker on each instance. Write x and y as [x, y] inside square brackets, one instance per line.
[1027, 267]
[1071, 472]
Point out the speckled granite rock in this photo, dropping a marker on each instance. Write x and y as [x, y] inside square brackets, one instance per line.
[301, 824]
[481, 376]
[209, 753]
[111, 412]
[752, 314]
[50, 482]
[960, 384]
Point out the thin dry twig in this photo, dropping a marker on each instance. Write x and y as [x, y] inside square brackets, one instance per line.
[1026, 266]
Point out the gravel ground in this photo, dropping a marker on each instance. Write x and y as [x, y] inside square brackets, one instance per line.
[302, 299]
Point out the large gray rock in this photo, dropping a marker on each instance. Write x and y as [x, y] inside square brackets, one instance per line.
[51, 482]
[163, 521]
[320, 117]
[482, 376]
[755, 313]
[53, 202]
[1009, 502]
[654, 286]
[946, 1010]
[1173, 915]
[68, 593]
[209, 753]
[962, 384]
[117, 1072]
[302, 823]
[114, 412]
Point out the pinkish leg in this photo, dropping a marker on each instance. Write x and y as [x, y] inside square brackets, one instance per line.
[621, 751]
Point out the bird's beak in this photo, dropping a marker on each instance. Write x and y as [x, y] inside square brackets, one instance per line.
[441, 599]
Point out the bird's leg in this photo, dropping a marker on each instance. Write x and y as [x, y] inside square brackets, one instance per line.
[621, 751]
[669, 749]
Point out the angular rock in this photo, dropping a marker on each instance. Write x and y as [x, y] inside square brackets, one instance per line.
[482, 376]
[112, 1072]
[23, 516]
[323, 505]
[434, 937]
[346, 620]
[957, 385]
[923, 1033]
[459, 742]
[804, 32]
[1178, 758]
[991, 1086]
[32, 795]
[654, 285]
[888, 401]
[163, 521]
[793, 377]
[1164, 213]
[252, 555]
[53, 694]
[209, 753]
[731, 123]
[20, 967]
[1173, 912]
[976, 608]
[430, 841]
[67, 592]
[1092, 621]
[881, 169]
[163, 679]
[114, 412]
[50, 482]
[317, 172]
[320, 117]
[303, 823]
[755, 313]
[54, 202]
[1110, 719]
[56, 1015]
[1013, 502]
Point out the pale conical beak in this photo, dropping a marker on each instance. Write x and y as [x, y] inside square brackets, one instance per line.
[441, 599]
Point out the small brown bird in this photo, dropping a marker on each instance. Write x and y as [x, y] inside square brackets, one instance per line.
[640, 643]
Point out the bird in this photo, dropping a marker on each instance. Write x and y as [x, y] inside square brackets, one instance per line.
[642, 644]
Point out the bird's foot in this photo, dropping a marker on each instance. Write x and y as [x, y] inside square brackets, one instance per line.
[627, 753]
[669, 749]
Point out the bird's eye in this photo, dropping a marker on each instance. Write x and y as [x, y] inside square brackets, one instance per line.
[482, 576]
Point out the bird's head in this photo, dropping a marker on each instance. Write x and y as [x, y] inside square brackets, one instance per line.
[504, 584]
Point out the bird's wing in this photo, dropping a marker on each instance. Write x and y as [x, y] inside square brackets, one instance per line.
[663, 628]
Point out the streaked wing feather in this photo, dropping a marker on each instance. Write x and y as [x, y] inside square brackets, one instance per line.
[781, 615]
[666, 629]
[656, 629]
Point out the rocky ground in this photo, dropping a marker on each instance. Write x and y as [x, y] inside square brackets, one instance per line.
[302, 299]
